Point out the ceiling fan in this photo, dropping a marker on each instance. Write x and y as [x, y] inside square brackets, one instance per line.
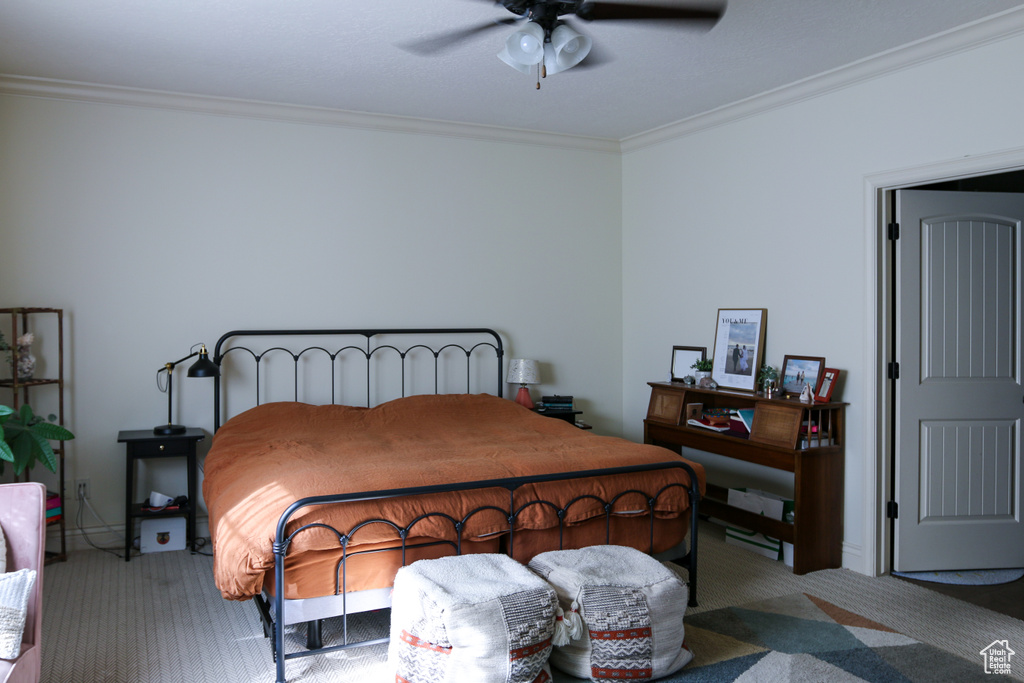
[548, 43]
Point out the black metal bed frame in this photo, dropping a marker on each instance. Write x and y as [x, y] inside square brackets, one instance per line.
[273, 613]
[221, 351]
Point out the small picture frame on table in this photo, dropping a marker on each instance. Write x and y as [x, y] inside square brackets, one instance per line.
[683, 358]
[829, 377]
[739, 347]
[798, 371]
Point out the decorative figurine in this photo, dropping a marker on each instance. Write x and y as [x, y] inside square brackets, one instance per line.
[805, 394]
[26, 361]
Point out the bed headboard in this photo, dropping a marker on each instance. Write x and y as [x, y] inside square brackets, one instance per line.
[352, 367]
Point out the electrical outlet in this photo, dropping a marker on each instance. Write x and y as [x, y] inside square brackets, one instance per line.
[81, 489]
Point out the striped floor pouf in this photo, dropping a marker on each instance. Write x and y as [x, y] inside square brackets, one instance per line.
[622, 613]
[472, 619]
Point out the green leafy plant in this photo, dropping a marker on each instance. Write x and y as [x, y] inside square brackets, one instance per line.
[25, 438]
[766, 378]
[703, 365]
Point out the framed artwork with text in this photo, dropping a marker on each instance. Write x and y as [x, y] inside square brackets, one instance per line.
[739, 347]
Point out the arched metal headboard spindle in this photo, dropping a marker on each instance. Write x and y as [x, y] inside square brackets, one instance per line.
[224, 347]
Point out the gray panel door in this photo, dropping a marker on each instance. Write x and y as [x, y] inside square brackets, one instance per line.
[959, 398]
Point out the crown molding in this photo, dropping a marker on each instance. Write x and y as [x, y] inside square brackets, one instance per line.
[991, 29]
[984, 31]
[225, 106]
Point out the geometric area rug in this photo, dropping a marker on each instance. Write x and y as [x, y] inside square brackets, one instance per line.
[803, 638]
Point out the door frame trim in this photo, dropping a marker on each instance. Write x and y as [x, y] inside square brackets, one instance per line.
[879, 329]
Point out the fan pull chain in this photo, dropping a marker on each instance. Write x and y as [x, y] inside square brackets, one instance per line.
[542, 72]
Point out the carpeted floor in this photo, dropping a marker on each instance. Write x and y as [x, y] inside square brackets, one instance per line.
[160, 619]
[801, 637]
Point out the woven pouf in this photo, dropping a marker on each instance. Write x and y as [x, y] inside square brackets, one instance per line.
[473, 619]
[623, 613]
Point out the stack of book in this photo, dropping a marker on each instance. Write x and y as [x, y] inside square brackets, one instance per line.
[738, 423]
[707, 424]
[556, 403]
[53, 509]
[811, 438]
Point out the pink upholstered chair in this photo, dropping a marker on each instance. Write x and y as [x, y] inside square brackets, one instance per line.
[23, 518]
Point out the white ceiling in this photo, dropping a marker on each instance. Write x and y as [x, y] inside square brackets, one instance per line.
[344, 54]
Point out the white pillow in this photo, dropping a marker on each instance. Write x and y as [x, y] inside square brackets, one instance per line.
[15, 590]
[623, 611]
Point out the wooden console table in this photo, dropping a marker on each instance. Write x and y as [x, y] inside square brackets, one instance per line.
[806, 439]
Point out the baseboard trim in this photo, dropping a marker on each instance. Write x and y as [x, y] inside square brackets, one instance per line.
[77, 540]
[853, 559]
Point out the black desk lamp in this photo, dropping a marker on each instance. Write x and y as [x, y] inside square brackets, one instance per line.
[204, 367]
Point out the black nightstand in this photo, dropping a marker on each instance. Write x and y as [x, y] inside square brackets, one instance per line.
[143, 443]
[567, 415]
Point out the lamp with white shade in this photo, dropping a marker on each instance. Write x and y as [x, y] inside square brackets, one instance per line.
[523, 371]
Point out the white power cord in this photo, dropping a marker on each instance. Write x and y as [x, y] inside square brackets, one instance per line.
[83, 503]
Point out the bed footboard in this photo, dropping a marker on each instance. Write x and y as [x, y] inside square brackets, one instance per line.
[273, 612]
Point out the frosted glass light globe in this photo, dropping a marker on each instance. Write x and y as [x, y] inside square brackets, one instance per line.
[529, 44]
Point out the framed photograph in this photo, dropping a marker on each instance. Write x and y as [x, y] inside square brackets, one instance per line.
[828, 383]
[683, 358]
[798, 371]
[739, 347]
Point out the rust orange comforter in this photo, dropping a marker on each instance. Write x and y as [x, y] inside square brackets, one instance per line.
[263, 460]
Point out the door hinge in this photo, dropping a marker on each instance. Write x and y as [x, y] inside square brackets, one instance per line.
[894, 231]
[894, 370]
[892, 509]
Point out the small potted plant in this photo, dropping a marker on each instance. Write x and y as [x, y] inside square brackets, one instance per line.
[767, 378]
[702, 369]
[25, 438]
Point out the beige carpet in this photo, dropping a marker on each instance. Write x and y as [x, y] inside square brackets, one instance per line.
[803, 638]
[159, 618]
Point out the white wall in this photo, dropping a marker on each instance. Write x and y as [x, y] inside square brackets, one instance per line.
[155, 229]
[769, 211]
[158, 228]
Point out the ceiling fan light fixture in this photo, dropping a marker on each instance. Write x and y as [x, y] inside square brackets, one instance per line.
[507, 58]
[524, 48]
[566, 49]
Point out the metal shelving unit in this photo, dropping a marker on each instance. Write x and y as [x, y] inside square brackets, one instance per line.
[21, 390]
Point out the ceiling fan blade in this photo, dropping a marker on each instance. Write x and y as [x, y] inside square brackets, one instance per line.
[626, 11]
[449, 39]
